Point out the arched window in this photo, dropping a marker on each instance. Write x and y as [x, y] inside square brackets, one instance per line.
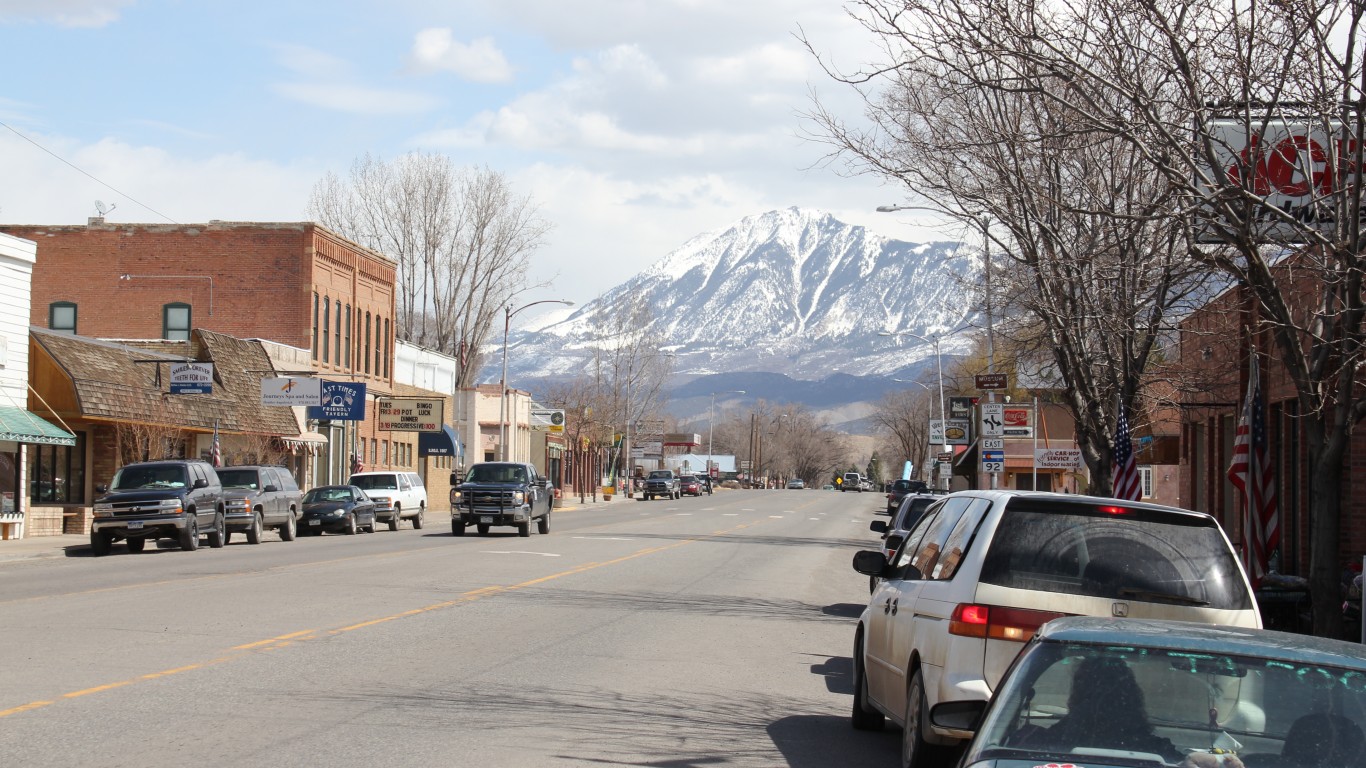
[175, 321]
[61, 316]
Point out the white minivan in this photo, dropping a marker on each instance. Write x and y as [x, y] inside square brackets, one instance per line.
[397, 496]
[980, 571]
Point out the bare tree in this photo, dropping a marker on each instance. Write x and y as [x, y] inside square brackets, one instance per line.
[903, 419]
[1250, 115]
[462, 240]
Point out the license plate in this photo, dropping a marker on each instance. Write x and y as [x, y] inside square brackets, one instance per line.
[134, 524]
[486, 520]
[315, 522]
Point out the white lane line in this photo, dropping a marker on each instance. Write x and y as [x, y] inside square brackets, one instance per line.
[746, 509]
[730, 514]
[517, 552]
[604, 538]
[813, 518]
[684, 514]
[775, 517]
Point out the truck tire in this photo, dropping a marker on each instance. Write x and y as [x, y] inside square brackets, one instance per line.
[290, 528]
[393, 521]
[457, 528]
[417, 521]
[482, 528]
[543, 524]
[189, 535]
[218, 535]
[135, 544]
[254, 532]
[100, 542]
[524, 529]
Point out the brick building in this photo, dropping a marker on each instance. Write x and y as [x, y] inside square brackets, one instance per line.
[312, 295]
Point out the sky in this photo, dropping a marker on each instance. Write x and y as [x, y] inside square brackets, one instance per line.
[632, 125]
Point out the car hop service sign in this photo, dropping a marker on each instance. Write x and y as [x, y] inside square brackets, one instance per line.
[410, 414]
[191, 378]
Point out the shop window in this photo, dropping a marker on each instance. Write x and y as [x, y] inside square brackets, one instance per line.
[336, 338]
[315, 325]
[387, 331]
[61, 316]
[367, 342]
[385, 447]
[348, 336]
[1145, 477]
[379, 344]
[175, 321]
[57, 473]
[327, 327]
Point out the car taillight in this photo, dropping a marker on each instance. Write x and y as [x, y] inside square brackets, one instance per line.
[996, 622]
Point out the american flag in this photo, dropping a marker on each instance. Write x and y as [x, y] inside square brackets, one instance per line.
[216, 453]
[1251, 473]
[1126, 482]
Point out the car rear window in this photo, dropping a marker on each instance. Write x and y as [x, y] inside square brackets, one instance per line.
[1126, 553]
[375, 482]
[910, 511]
[239, 478]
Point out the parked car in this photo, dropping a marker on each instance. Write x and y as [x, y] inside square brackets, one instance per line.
[898, 490]
[982, 570]
[851, 482]
[689, 485]
[1102, 692]
[796, 484]
[893, 532]
[149, 500]
[339, 508]
[397, 496]
[259, 497]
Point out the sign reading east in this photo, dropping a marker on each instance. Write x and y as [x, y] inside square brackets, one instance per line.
[409, 414]
[341, 401]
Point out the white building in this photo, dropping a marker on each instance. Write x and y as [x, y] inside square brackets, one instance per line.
[24, 436]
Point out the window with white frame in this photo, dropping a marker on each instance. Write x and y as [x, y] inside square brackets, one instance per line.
[1145, 477]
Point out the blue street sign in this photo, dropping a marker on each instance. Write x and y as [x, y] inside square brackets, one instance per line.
[342, 401]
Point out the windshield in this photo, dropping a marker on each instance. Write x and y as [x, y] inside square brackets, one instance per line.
[239, 478]
[661, 474]
[1140, 706]
[1115, 552]
[496, 473]
[168, 476]
[326, 494]
[376, 482]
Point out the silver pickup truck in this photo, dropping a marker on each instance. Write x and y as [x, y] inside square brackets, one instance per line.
[501, 493]
[662, 483]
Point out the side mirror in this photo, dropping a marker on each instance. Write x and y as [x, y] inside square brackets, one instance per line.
[101, 488]
[958, 715]
[870, 562]
[893, 543]
[200, 483]
[271, 488]
[878, 526]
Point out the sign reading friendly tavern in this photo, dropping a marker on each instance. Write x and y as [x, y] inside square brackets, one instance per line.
[410, 414]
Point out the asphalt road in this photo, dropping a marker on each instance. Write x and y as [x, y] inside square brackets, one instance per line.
[712, 631]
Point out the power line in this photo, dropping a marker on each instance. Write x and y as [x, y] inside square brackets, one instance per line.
[83, 172]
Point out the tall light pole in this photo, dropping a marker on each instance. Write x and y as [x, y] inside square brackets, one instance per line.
[508, 312]
[711, 421]
[939, 362]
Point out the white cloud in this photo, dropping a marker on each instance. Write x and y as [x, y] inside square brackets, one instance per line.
[66, 13]
[356, 99]
[480, 61]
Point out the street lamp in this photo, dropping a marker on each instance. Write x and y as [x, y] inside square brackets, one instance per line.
[508, 312]
[939, 361]
[711, 421]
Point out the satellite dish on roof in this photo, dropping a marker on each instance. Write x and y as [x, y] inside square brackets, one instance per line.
[103, 209]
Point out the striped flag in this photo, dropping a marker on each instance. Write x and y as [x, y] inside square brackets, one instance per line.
[1251, 473]
[1126, 482]
[216, 453]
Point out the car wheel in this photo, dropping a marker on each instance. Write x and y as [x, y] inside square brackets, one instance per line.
[100, 543]
[915, 751]
[865, 718]
[350, 525]
[393, 521]
[524, 529]
[543, 524]
[417, 521]
[135, 545]
[290, 529]
[189, 535]
[254, 532]
[483, 529]
[457, 528]
[218, 535]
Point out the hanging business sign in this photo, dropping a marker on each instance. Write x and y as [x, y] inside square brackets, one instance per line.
[341, 401]
[551, 418]
[191, 378]
[291, 391]
[949, 432]
[409, 414]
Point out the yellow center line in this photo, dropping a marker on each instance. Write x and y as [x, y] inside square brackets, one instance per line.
[279, 641]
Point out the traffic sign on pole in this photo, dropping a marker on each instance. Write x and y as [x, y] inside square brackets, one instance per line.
[993, 422]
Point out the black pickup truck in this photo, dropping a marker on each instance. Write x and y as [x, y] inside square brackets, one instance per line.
[501, 493]
[662, 483]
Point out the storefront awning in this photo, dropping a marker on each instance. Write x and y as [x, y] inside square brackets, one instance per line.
[21, 426]
[443, 443]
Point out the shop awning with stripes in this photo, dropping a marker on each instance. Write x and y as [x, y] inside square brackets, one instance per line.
[21, 426]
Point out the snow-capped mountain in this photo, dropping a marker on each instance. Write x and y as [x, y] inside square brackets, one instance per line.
[793, 292]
